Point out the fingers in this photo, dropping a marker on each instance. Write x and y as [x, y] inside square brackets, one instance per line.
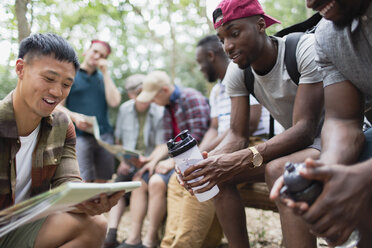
[322, 173]
[311, 163]
[139, 173]
[100, 205]
[180, 181]
[113, 199]
[190, 171]
[275, 191]
[208, 186]
[335, 236]
[178, 171]
[317, 210]
[205, 154]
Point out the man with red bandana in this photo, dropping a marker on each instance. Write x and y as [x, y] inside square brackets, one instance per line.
[92, 94]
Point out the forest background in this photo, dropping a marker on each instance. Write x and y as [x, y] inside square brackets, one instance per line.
[145, 34]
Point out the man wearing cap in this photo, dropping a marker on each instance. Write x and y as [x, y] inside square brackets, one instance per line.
[185, 108]
[91, 95]
[343, 46]
[213, 63]
[241, 25]
[139, 127]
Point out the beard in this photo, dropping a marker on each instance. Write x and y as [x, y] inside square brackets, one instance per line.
[244, 66]
[350, 11]
[211, 74]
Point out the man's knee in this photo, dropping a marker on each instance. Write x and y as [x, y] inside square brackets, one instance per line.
[95, 228]
[273, 171]
[226, 191]
[156, 184]
[80, 229]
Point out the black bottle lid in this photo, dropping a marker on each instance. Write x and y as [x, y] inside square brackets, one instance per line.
[294, 181]
[178, 147]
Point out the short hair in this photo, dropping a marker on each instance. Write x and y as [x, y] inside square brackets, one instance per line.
[212, 42]
[48, 45]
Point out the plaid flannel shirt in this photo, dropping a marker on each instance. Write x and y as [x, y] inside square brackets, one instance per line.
[53, 160]
[191, 110]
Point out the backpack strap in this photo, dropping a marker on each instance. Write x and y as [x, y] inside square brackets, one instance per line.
[290, 59]
[306, 26]
[249, 80]
[249, 84]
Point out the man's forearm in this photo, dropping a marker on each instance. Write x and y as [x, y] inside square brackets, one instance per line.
[291, 140]
[160, 152]
[208, 139]
[342, 142]
[112, 93]
[230, 143]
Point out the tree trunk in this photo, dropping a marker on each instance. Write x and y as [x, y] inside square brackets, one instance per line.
[23, 25]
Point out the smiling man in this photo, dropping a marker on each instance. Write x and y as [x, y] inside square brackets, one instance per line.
[241, 25]
[343, 46]
[38, 147]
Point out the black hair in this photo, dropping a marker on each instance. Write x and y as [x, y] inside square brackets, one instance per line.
[212, 42]
[48, 45]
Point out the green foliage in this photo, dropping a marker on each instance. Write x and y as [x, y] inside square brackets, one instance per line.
[145, 34]
[288, 12]
[7, 81]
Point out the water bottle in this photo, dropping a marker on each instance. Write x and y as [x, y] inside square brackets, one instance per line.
[185, 153]
[301, 189]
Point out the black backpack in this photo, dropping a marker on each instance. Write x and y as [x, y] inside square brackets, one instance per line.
[294, 33]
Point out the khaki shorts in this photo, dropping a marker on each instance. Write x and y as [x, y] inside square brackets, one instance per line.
[24, 236]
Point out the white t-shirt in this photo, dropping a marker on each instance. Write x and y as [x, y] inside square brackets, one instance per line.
[275, 90]
[220, 106]
[220, 103]
[24, 165]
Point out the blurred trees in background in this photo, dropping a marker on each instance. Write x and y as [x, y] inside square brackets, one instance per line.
[144, 34]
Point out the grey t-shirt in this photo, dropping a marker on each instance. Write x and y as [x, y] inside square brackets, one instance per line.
[275, 90]
[346, 54]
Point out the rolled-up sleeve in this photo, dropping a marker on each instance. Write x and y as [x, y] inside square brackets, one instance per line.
[327, 69]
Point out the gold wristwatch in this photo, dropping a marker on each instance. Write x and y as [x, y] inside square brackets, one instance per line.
[257, 158]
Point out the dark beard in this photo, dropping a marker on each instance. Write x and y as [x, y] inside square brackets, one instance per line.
[212, 74]
[350, 13]
[244, 66]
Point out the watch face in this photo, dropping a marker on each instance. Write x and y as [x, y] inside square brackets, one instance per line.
[257, 160]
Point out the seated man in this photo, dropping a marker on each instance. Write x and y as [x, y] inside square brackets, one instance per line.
[38, 147]
[185, 108]
[245, 41]
[140, 127]
[213, 63]
[345, 166]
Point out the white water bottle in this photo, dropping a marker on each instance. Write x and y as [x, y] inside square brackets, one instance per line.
[186, 153]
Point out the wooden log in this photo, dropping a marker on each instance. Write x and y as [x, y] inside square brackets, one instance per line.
[256, 195]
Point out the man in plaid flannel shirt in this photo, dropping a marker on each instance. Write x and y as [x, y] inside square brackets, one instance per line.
[38, 147]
